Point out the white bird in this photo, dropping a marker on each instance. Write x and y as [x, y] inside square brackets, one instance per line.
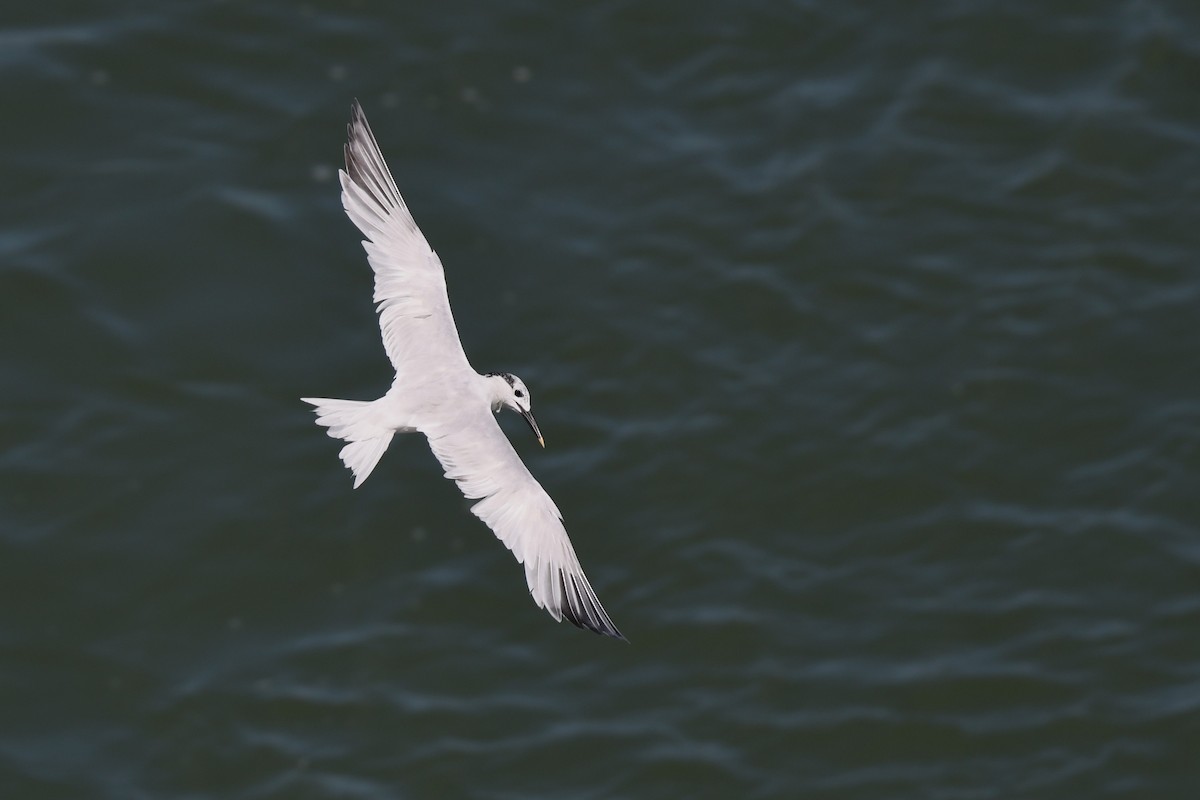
[436, 392]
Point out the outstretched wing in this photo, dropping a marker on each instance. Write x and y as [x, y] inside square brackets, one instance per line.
[418, 328]
[478, 456]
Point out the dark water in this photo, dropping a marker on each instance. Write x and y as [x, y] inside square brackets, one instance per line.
[864, 340]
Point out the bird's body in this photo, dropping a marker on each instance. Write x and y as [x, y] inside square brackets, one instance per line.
[436, 392]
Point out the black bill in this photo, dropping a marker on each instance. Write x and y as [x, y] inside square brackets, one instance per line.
[533, 424]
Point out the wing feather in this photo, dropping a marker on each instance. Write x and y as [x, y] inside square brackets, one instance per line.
[477, 455]
[415, 320]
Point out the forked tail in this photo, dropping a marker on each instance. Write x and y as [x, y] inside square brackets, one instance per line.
[353, 421]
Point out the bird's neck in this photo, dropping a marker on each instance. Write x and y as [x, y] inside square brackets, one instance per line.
[497, 390]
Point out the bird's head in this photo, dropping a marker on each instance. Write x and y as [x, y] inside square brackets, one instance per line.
[509, 391]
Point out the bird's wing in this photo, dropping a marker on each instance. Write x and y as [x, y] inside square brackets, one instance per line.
[418, 328]
[478, 456]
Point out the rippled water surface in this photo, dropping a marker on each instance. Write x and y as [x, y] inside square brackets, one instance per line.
[864, 339]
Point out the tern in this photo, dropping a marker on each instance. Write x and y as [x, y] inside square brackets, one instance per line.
[438, 393]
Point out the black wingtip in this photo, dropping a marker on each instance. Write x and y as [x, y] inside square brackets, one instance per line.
[602, 628]
[582, 624]
[582, 609]
[365, 164]
[356, 117]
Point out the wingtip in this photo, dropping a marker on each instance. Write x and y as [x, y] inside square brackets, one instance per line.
[602, 627]
[357, 115]
[582, 608]
[366, 168]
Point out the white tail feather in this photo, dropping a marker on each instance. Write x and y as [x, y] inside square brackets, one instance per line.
[353, 422]
[361, 457]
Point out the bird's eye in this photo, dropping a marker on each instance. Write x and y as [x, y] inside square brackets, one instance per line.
[519, 393]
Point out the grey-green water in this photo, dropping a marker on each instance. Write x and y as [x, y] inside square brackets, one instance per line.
[864, 339]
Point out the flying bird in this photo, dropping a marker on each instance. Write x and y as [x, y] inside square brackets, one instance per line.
[438, 393]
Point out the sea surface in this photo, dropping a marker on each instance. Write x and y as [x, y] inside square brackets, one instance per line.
[865, 339]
